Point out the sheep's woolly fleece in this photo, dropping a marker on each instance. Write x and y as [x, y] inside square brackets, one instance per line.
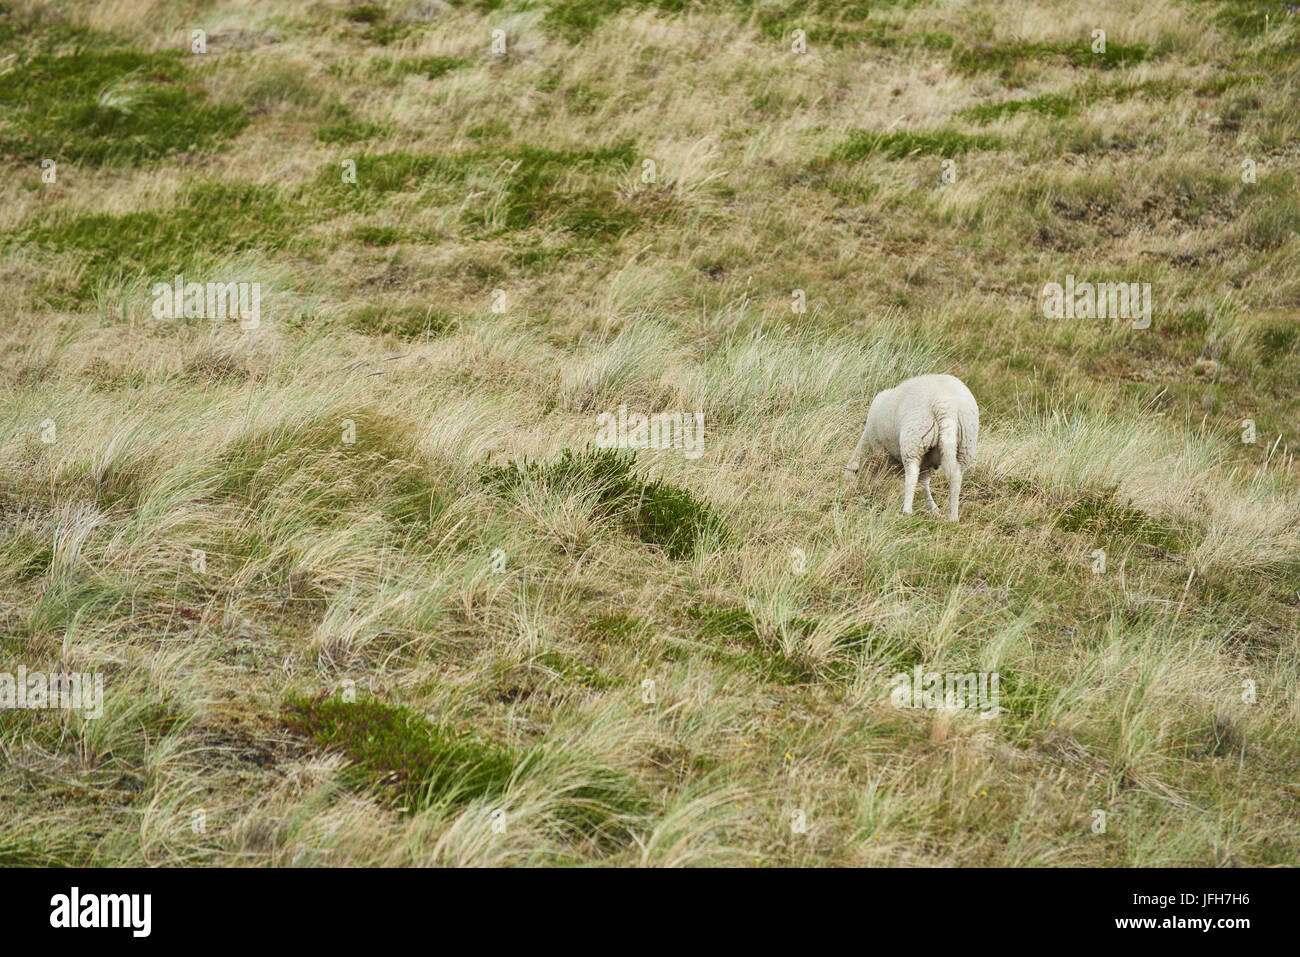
[927, 422]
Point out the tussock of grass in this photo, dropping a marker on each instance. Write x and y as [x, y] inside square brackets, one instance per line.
[1049, 104]
[579, 673]
[285, 464]
[377, 23]
[655, 511]
[764, 655]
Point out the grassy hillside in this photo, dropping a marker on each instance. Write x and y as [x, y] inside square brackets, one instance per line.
[364, 591]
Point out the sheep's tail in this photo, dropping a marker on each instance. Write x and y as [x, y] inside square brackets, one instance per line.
[949, 443]
[958, 430]
[968, 431]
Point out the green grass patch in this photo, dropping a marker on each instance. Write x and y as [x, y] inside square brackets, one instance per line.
[399, 755]
[614, 627]
[389, 173]
[392, 235]
[429, 67]
[578, 672]
[410, 764]
[897, 145]
[600, 216]
[214, 219]
[96, 104]
[826, 23]
[534, 257]
[1250, 18]
[1009, 58]
[1276, 340]
[489, 130]
[25, 557]
[575, 19]
[1025, 700]
[1049, 104]
[1270, 223]
[378, 235]
[1103, 516]
[736, 635]
[656, 512]
[43, 850]
[584, 98]
[521, 187]
[1061, 105]
[376, 22]
[535, 187]
[353, 131]
[737, 627]
[404, 322]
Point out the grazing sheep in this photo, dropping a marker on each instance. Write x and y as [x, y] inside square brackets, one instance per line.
[928, 422]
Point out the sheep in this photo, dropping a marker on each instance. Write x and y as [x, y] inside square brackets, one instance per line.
[928, 422]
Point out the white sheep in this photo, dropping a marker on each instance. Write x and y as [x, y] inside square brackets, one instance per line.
[928, 422]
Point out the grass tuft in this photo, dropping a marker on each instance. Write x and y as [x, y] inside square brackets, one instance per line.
[656, 512]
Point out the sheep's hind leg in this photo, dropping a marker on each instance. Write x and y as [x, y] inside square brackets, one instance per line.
[948, 462]
[855, 463]
[911, 469]
[925, 484]
[953, 472]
